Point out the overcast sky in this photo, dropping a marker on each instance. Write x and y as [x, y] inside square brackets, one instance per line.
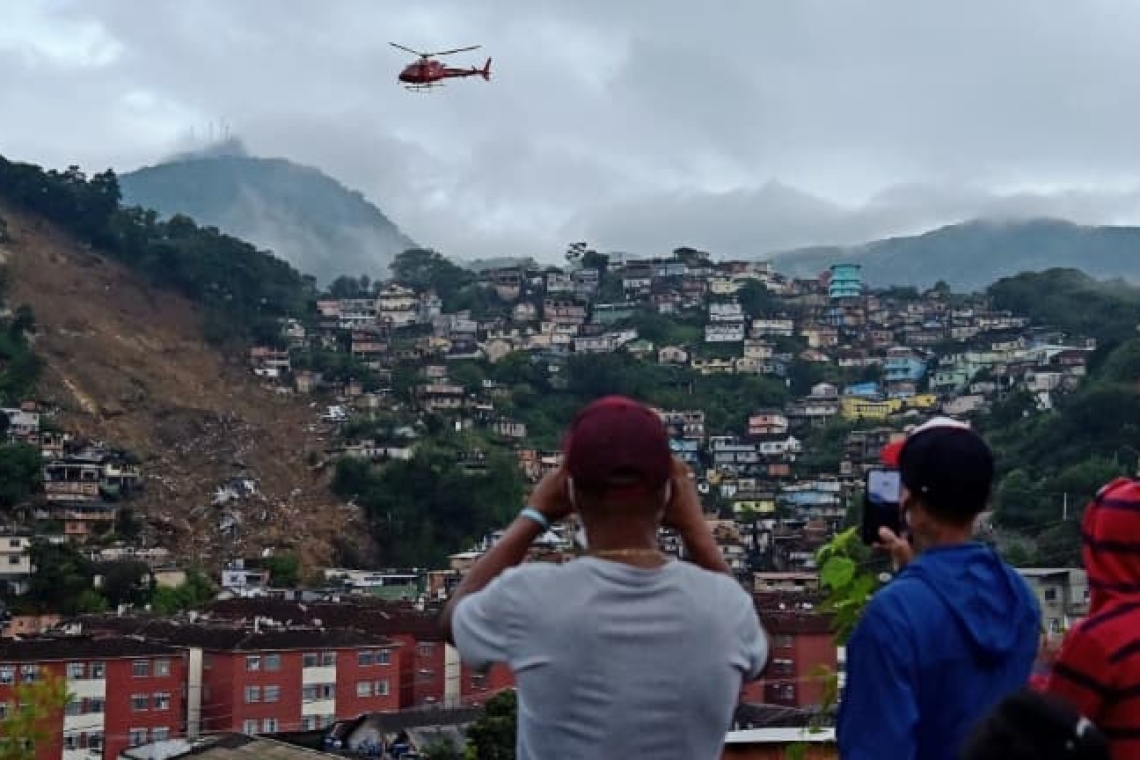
[741, 127]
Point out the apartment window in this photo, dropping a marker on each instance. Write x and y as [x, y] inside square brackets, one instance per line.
[73, 708]
[139, 702]
[137, 736]
[380, 688]
[30, 673]
[365, 659]
[98, 671]
[94, 705]
[162, 700]
[364, 688]
[76, 671]
[272, 693]
[269, 725]
[71, 741]
[426, 650]
[3, 710]
[249, 727]
[253, 663]
[7, 674]
[328, 658]
[309, 723]
[326, 690]
[383, 657]
[310, 660]
[309, 694]
[273, 662]
[1050, 594]
[162, 667]
[252, 694]
[140, 668]
[160, 734]
[95, 740]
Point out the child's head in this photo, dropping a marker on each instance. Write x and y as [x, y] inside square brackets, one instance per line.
[1033, 726]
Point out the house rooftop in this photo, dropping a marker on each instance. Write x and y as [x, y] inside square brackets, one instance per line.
[48, 648]
[237, 636]
[224, 747]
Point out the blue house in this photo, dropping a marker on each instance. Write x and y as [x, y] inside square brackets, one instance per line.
[846, 281]
[862, 390]
[903, 366]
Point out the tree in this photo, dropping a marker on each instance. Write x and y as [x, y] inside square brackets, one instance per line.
[21, 473]
[195, 591]
[493, 736]
[755, 300]
[284, 570]
[423, 269]
[63, 580]
[126, 582]
[443, 749]
[28, 725]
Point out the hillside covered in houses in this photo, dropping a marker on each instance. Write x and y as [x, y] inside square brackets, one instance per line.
[432, 399]
[779, 391]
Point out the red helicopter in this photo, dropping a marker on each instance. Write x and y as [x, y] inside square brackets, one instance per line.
[427, 73]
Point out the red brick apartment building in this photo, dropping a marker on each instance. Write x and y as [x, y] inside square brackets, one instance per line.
[436, 676]
[124, 691]
[254, 679]
[800, 642]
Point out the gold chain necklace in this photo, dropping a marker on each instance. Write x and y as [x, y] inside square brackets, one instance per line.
[655, 553]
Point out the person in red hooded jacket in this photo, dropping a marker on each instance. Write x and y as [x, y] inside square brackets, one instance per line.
[1098, 668]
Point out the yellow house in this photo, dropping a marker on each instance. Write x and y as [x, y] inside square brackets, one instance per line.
[923, 401]
[754, 507]
[857, 408]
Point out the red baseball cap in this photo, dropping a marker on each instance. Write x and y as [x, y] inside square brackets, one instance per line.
[616, 443]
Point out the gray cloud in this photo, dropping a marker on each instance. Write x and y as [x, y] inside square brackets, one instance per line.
[742, 126]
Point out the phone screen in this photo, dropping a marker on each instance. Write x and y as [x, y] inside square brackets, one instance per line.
[881, 504]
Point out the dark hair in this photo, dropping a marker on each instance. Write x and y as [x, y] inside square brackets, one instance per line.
[951, 470]
[1031, 725]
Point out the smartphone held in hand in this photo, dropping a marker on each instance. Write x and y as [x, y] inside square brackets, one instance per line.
[881, 495]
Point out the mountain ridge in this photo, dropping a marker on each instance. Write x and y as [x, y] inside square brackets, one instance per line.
[973, 254]
[302, 214]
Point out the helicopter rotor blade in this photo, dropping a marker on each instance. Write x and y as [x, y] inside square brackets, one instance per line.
[408, 49]
[458, 50]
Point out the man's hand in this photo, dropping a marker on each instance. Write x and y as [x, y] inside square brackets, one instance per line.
[899, 548]
[684, 514]
[551, 497]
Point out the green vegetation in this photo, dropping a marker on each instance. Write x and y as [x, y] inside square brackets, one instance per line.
[492, 737]
[194, 592]
[21, 473]
[424, 508]
[65, 582]
[284, 570]
[1072, 301]
[243, 289]
[28, 725]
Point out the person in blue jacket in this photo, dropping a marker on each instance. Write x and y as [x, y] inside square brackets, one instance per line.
[956, 630]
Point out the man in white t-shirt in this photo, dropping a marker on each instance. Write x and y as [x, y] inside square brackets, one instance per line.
[623, 653]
